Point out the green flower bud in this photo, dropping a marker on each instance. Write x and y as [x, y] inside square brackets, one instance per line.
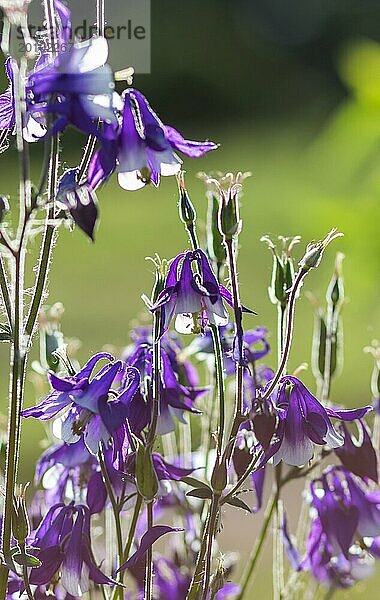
[215, 246]
[283, 269]
[219, 475]
[20, 521]
[146, 477]
[315, 250]
[228, 217]
[186, 208]
[335, 291]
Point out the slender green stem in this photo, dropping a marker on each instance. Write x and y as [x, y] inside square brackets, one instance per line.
[190, 228]
[5, 292]
[238, 312]
[258, 546]
[197, 577]
[149, 557]
[116, 514]
[212, 524]
[289, 334]
[241, 479]
[220, 382]
[132, 528]
[12, 450]
[17, 349]
[44, 260]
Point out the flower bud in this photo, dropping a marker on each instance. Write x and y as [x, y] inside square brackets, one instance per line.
[79, 200]
[215, 246]
[229, 220]
[283, 269]
[146, 477]
[335, 291]
[219, 475]
[314, 251]
[186, 208]
[20, 521]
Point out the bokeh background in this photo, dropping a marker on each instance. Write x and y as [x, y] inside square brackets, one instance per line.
[291, 91]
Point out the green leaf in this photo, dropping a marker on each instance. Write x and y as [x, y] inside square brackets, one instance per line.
[27, 560]
[238, 503]
[203, 493]
[195, 482]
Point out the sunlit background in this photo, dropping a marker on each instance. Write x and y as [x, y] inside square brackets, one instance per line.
[291, 91]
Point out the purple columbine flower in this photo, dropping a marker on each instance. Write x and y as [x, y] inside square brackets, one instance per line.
[175, 398]
[346, 508]
[346, 519]
[303, 422]
[64, 546]
[90, 412]
[194, 296]
[79, 201]
[77, 87]
[69, 471]
[143, 148]
[358, 455]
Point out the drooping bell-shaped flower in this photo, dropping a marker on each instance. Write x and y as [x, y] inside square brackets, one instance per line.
[192, 294]
[143, 148]
[63, 540]
[303, 422]
[91, 413]
[77, 87]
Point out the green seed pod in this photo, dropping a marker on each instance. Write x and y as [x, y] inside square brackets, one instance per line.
[187, 212]
[219, 475]
[20, 521]
[146, 477]
[335, 291]
[229, 219]
[215, 246]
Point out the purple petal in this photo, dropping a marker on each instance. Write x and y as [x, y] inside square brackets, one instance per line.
[147, 540]
[187, 147]
[348, 415]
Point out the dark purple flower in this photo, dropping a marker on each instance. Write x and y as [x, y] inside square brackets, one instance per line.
[64, 546]
[70, 471]
[91, 413]
[79, 200]
[358, 456]
[77, 87]
[194, 296]
[345, 521]
[143, 148]
[303, 422]
[175, 398]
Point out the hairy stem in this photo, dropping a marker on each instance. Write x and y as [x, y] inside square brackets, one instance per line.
[220, 382]
[116, 514]
[289, 333]
[253, 560]
[149, 557]
[212, 524]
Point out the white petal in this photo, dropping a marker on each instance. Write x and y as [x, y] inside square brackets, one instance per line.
[184, 323]
[33, 130]
[168, 169]
[96, 55]
[295, 455]
[131, 181]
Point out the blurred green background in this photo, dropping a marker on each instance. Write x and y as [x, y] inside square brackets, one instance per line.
[291, 91]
